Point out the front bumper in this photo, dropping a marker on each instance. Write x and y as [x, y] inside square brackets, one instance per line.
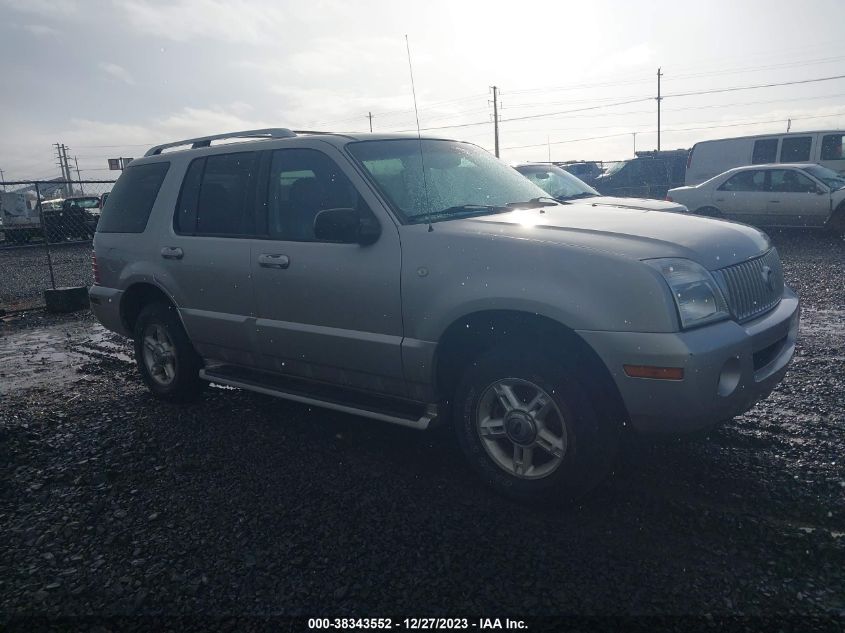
[728, 368]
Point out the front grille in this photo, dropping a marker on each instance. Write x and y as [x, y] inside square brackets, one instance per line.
[753, 287]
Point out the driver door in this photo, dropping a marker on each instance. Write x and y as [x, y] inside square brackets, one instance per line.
[327, 311]
[796, 200]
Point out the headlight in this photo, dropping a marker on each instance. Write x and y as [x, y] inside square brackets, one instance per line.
[698, 298]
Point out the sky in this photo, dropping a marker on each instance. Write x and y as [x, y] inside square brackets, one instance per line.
[110, 78]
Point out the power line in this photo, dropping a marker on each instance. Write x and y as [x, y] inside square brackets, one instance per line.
[705, 125]
[770, 85]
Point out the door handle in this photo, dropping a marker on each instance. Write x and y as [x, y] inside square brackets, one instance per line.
[718, 199]
[774, 201]
[172, 252]
[273, 261]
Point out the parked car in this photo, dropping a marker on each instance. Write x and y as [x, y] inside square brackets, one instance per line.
[649, 175]
[418, 281]
[585, 171]
[710, 158]
[564, 187]
[71, 217]
[771, 195]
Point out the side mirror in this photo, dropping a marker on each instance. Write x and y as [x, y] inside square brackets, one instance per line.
[345, 226]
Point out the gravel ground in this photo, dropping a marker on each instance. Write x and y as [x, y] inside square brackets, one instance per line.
[114, 503]
[24, 273]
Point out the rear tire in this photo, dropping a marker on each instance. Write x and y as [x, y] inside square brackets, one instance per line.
[554, 457]
[168, 363]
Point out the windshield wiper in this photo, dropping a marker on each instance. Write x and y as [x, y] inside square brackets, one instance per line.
[583, 194]
[541, 201]
[459, 211]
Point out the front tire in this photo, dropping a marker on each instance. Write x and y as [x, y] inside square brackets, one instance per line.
[167, 361]
[528, 428]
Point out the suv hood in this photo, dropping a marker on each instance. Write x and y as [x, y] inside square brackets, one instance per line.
[635, 233]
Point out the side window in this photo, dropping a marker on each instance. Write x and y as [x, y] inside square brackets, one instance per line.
[765, 151]
[746, 181]
[832, 147]
[185, 218]
[132, 198]
[795, 149]
[217, 196]
[791, 181]
[304, 182]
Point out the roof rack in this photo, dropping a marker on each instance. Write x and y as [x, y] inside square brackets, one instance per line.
[205, 141]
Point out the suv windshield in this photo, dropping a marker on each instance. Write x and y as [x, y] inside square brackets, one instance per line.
[827, 176]
[615, 167]
[557, 182]
[459, 179]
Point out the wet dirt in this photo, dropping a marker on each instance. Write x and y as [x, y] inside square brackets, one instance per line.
[55, 355]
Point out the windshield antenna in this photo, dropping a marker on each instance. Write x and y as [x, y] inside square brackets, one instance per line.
[419, 137]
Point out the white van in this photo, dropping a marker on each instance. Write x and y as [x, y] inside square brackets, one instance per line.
[711, 158]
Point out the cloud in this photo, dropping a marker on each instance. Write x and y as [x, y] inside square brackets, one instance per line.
[183, 20]
[118, 72]
[40, 29]
[233, 21]
[45, 8]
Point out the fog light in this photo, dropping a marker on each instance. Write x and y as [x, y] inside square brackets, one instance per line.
[729, 377]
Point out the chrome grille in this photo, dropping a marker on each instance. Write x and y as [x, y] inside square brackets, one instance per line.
[746, 288]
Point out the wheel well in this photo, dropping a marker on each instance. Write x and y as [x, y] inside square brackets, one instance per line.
[468, 337]
[135, 298]
[709, 211]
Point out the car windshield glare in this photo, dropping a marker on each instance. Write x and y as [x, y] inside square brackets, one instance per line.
[827, 176]
[445, 179]
[557, 182]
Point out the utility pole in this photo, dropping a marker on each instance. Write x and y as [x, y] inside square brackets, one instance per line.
[78, 175]
[635, 142]
[3, 179]
[788, 124]
[659, 99]
[69, 185]
[63, 167]
[370, 117]
[496, 118]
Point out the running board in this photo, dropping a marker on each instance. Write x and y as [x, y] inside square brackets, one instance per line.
[412, 415]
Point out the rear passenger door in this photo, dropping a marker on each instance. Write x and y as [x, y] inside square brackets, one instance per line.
[206, 254]
[326, 311]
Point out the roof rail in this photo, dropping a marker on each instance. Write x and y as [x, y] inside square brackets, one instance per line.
[205, 141]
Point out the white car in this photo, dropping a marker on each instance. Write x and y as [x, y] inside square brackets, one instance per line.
[564, 187]
[790, 194]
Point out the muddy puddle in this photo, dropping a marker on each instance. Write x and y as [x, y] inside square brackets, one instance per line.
[55, 355]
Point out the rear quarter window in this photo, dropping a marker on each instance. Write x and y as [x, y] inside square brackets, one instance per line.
[128, 207]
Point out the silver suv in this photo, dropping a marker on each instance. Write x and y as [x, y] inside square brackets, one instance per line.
[417, 281]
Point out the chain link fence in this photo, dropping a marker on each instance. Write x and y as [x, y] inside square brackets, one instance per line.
[46, 228]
